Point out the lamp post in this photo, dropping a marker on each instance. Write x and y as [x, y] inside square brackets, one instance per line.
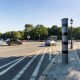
[71, 22]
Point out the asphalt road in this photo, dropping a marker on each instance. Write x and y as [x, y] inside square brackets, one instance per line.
[27, 61]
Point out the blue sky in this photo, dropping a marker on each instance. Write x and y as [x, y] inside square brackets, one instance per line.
[14, 14]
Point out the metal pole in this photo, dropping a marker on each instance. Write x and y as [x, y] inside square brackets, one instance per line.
[71, 37]
[65, 41]
[71, 33]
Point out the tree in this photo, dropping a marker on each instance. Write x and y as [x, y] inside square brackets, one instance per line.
[1, 35]
[59, 33]
[13, 34]
[16, 34]
[28, 28]
[41, 31]
[76, 33]
[56, 31]
[21, 34]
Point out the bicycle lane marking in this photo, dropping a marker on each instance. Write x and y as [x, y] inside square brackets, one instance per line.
[35, 73]
[50, 54]
[7, 69]
[10, 63]
[25, 67]
[15, 61]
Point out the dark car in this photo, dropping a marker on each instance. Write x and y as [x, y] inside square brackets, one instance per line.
[12, 41]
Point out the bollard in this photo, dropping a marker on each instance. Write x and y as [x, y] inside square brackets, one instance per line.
[65, 41]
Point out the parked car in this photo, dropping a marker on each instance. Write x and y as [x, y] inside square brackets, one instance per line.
[50, 43]
[13, 41]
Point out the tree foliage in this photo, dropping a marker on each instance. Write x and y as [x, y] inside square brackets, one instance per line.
[28, 27]
[41, 32]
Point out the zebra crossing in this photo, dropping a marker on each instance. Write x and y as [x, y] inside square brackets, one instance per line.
[28, 67]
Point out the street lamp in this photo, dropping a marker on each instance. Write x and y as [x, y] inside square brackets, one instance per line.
[71, 22]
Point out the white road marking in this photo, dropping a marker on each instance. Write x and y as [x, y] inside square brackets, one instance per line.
[9, 63]
[15, 60]
[58, 49]
[60, 46]
[50, 54]
[77, 55]
[25, 67]
[35, 73]
[7, 69]
[54, 48]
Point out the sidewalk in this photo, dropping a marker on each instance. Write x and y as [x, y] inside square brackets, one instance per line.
[57, 71]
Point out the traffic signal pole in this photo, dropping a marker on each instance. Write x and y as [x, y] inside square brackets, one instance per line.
[65, 41]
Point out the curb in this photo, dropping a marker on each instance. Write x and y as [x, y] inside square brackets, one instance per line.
[45, 72]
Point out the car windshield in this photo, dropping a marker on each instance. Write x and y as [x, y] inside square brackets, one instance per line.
[7, 40]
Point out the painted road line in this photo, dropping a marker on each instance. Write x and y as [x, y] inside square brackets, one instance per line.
[54, 49]
[15, 61]
[50, 54]
[7, 69]
[25, 67]
[30, 53]
[60, 46]
[9, 63]
[58, 49]
[44, 74]
[77, 55]
[35, 73]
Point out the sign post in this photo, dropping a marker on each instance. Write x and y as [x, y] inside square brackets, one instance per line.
[65, 40]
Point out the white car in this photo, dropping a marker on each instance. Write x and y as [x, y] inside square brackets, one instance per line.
[50, 43]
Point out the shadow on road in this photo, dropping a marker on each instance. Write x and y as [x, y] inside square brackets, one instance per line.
[12, 72]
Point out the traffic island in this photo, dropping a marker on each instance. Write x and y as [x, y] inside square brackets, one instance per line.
[60, 71]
